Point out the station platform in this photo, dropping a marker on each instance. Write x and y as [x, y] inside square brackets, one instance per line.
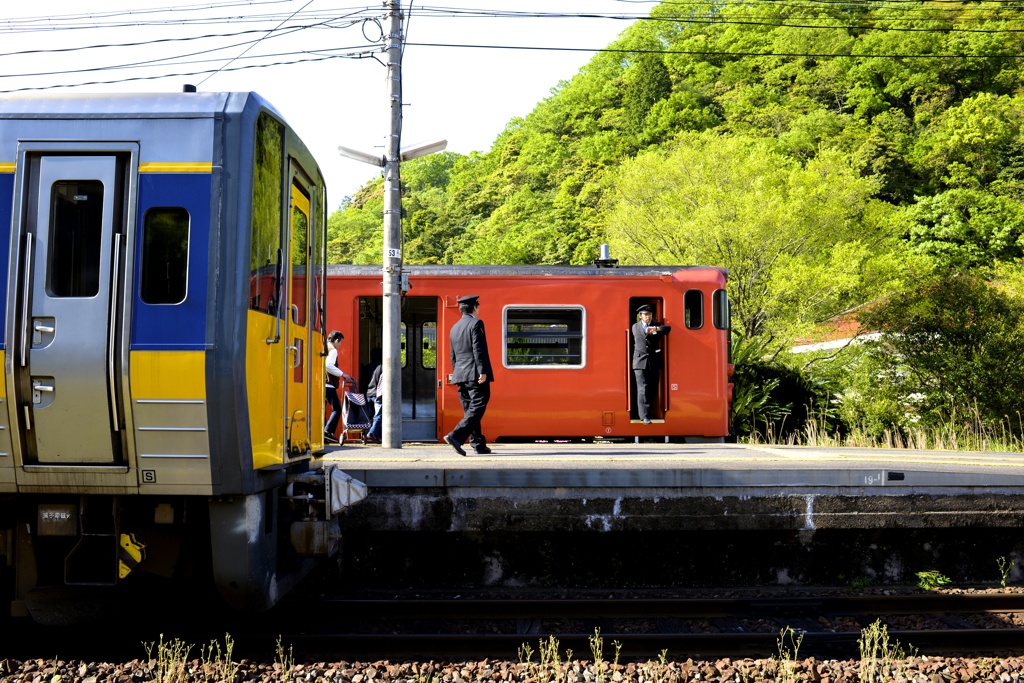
[654, 486]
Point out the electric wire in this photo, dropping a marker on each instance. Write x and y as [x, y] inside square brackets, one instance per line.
[276, 28]
[326, 19]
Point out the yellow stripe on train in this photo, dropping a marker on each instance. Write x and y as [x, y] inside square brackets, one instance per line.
[175, 167]
[146, 167]
[168, 374]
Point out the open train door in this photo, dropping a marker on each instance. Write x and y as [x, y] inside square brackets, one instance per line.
[64, 367]
[658, 406]
[419, 360]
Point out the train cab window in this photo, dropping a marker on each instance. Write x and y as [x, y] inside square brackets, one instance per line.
[75, 237]
[164, 275]
[720, 309]
[544, 336]
[266, 259]
[428, 359]
[693, 306]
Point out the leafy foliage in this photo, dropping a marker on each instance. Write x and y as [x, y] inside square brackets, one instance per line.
[948, 350]
[827, 155]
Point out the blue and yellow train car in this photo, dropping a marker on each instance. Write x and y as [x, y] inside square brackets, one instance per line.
[163, 346]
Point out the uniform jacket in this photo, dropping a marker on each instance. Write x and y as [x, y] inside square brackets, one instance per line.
[469, 351]
[647, 354]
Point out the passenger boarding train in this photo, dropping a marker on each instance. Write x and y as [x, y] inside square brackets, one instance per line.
[163, 343]
[560, 345]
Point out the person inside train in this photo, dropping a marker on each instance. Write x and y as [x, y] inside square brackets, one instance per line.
[374, 393]
[335, 377]
[647, 360]
[471, 371]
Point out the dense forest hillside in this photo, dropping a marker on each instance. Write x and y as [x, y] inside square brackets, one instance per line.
[835, 156]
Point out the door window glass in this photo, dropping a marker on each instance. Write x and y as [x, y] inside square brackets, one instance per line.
[544, 337]
[429, 358]
[76, 229]
[265, 252]
[316, 261]
[164, 256]
[300, 231]
[402, 340]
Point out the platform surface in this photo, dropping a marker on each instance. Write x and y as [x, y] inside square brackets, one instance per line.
[678, 487]
[684, 465]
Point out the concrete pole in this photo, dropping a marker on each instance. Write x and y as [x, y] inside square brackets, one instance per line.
[391, 372]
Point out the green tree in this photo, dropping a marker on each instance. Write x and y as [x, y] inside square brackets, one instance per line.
[948, 350]
[647, 83]
[797, 240]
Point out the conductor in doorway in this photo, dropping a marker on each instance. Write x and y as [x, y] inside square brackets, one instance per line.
[647, 360]
[471, 371]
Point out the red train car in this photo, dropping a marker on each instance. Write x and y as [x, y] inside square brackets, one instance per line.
[560, 345]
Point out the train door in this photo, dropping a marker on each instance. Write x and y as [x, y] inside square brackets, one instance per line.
[66, 368]
[659, 398]
[298, 323]
[419, 360]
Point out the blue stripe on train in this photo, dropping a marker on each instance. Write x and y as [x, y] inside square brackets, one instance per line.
[175, 326]
[6, 206]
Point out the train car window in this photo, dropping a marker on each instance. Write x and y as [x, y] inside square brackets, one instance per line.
[76, 229]
[693, 305]
[265, 253]
[548, 336]
[164, 276]
[429, 357]
[720, 309]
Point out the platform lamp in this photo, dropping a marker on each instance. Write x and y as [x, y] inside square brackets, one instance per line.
[391, 372]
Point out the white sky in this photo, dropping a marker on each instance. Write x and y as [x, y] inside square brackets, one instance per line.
[464, 95]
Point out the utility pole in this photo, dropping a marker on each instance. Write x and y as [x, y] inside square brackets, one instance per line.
[391, 372]
[391, 364]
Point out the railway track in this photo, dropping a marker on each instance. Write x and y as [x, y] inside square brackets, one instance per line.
[829, 626]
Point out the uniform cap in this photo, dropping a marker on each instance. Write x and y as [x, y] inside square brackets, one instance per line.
[644, 309]
[468, 299]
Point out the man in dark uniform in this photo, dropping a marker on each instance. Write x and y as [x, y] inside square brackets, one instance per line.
[471, 371]
[647, 360]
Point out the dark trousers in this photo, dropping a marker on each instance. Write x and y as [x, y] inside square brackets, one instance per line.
[646, 391]
[331, 394]
[474, 398]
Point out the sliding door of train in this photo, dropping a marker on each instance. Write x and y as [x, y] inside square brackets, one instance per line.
[66, 324]
[298, 323]
[419, 360]
[658, 399]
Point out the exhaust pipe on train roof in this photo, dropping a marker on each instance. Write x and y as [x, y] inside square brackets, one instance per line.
[605, 260]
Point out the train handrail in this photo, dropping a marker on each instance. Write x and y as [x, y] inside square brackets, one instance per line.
[629, 372]
[26, 299]
[115, 267]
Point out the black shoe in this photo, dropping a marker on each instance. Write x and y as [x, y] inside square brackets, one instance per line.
[482, 450]
[454, 444]
[330, 438]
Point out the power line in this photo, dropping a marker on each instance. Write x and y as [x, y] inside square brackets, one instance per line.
[722, 53]
[207, 36]
[361, 54]
[276, 28]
